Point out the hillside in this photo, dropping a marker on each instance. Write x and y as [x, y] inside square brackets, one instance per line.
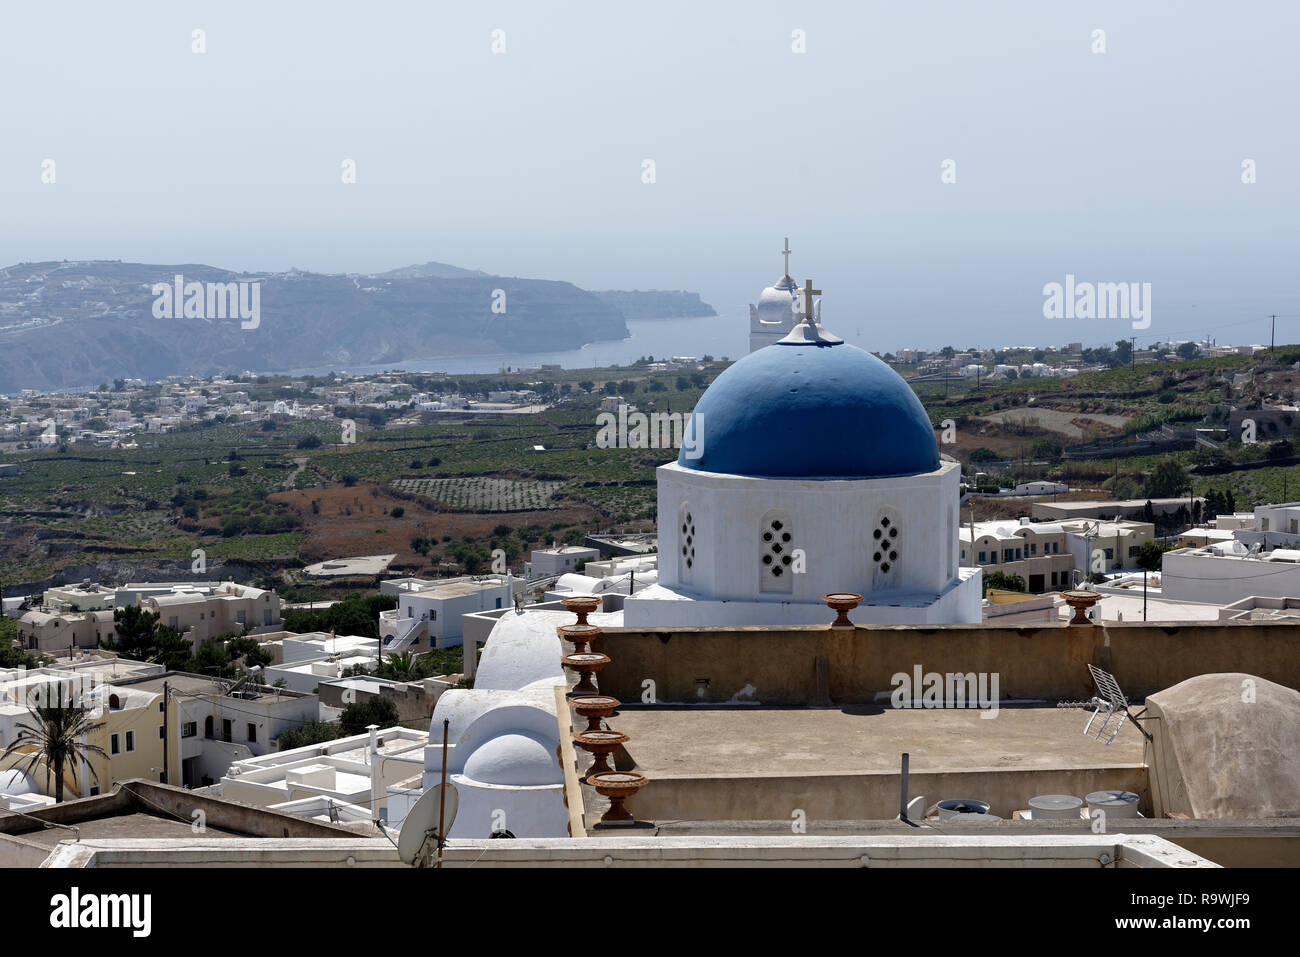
[78, 324]
[432, 270]
[655, 304]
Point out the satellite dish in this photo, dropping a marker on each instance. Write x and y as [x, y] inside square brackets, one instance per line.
[419, 835]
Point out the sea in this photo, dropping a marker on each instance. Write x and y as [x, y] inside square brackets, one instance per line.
[720, 336]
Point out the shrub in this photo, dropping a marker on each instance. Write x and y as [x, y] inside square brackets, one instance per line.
[997, 579]
[312, 732]
[358, 716]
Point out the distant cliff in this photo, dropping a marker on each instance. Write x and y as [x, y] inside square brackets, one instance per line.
[77, 324]
[655, 304]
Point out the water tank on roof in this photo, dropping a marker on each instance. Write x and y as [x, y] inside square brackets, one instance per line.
[966, 809]
[1054, 807]
[1116, 804]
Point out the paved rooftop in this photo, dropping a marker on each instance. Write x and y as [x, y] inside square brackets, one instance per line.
[746, 740]
[136, 825]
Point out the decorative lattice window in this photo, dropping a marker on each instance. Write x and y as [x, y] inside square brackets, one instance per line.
[687, 540]
[776, 551]
[885, 543]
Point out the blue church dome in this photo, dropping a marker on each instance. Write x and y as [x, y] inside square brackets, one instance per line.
[810, 408]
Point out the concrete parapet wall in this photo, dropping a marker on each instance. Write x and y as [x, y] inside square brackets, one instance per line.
[780, 666]
[865, 796]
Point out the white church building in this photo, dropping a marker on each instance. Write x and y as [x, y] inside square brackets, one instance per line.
[776, 313]
[814, 469]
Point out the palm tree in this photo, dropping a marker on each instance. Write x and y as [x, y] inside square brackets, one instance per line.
[58, 739]
[402, 663]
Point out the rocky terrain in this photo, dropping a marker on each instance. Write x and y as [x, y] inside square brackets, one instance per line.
[654, 304]
[78, 324]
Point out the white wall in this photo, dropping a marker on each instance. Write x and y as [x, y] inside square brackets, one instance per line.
[1188, 576]
[444, 614]
[831, 521]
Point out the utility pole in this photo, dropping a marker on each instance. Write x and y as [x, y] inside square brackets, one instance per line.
[1132, 348]
[1272, 336]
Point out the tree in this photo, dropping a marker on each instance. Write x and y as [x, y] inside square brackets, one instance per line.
[355, 615]
[1150, 557]
[309, 442]
[360, 715]
[1281, 449]
[1123, 351]
[211, 658]
[11, 656]
[250, 650]
[982, 454]
[1213, 503]
[402, 664]
[312, 732]
[998, 579]
[586, 385]
[1187, 350]
[135, 629]
[610, 387]
[57, 738]
[1167, 479]
[1045, 449]
[171, 649]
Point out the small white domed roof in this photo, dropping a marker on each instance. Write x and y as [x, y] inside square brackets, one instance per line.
[514, 759]
[776, 302]
[14, 782]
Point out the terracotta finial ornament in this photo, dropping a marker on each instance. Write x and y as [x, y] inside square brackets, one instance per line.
[585, 664]
[842, 602]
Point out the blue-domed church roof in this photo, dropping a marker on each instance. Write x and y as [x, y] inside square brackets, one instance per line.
[811, 406]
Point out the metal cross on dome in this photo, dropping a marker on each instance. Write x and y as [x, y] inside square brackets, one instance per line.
[808, 293]
[786, 252]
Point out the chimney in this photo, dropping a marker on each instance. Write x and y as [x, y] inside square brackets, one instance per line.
[374, 773]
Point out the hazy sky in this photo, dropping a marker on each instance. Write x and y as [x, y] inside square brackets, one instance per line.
[1121, 166]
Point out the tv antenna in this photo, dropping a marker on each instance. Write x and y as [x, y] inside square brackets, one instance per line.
[426, 825]
[1110, 705]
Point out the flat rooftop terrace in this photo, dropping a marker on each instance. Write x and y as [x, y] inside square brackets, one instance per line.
[749, 763]
[135, 826]
[742, 740]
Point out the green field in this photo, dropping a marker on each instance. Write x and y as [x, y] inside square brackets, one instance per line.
[207, 486]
